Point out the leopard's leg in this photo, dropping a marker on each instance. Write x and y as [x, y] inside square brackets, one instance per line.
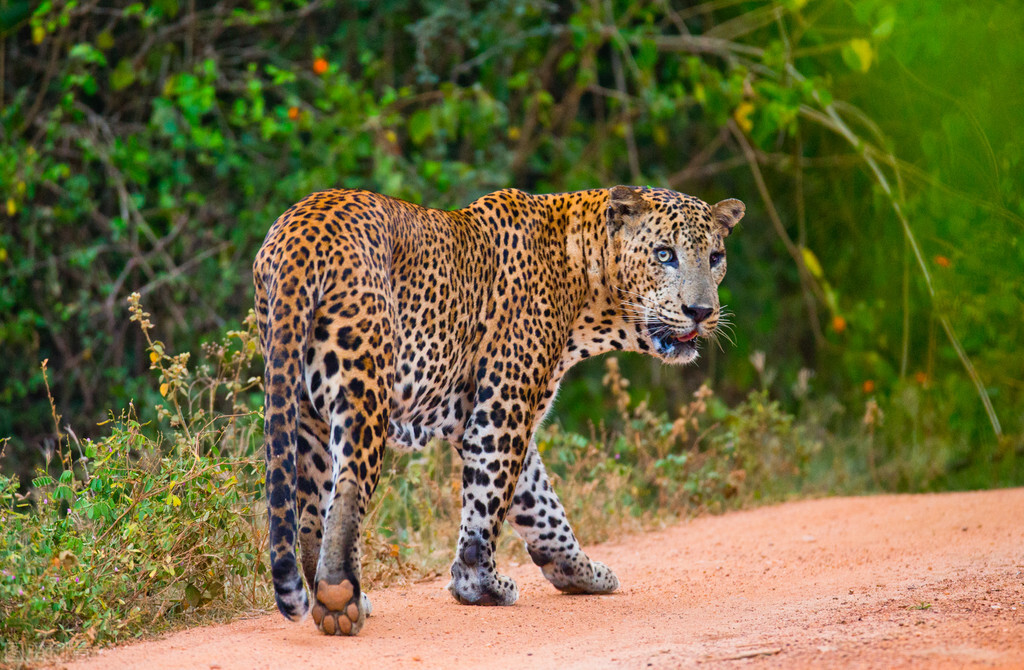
[313, 491]
[538, 517]
[492, 450]
[357, 377]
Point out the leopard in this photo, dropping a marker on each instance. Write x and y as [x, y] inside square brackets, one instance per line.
[386, 325]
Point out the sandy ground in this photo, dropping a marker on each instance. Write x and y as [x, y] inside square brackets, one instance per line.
[924, 581]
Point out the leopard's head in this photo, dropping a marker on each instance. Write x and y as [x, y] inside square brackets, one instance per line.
[669, 256]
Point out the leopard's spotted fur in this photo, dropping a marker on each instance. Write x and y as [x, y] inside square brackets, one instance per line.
[382, 322]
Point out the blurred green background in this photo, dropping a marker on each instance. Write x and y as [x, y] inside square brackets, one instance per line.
[877, 144]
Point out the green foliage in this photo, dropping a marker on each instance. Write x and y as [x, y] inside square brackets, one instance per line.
[132, 534]
[126, 539]
[157, 164]
[707, 456]
[148, 147]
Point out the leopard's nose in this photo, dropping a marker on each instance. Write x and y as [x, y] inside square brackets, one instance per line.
[698, 312]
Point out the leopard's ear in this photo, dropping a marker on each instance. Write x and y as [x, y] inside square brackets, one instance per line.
[728, 213]
[625, 207]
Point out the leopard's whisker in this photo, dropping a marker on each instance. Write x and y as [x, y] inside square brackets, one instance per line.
[718, 335]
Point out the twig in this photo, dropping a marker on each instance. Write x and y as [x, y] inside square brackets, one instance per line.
[747, 22]
[706, 7]
[505, 46]
[674, 17]
[3, 66]
[619, 74]
[700, 44]
[753, 653]
[807, 279]
[51, 69]
[700, 171]
[699, 159]
[56, 417]
[630, 137]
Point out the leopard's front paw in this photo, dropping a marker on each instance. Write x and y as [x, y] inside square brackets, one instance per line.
[475, 586]
[581, 576]
[337, 610]
[476, 582]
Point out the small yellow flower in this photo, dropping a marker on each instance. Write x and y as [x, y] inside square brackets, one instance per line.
[865, 54]
[164, 388]
[742, 116]
[660, 135]
[153, 357]
[812, 263]
[12, 207]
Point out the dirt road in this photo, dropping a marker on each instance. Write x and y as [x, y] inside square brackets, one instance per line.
[928, 581]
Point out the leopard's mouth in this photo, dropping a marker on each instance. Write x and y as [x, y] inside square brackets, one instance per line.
[672, 345]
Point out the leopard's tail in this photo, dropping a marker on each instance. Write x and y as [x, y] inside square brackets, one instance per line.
[285, 309]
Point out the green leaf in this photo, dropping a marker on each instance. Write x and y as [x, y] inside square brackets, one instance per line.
[104, 40]
[421, 126]
[193, 596]
[647, 55]
[13, 15]
[87, 53]
[858, 54]
[122, 76]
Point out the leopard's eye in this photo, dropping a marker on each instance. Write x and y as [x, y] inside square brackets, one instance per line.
[716, 258]
[665, 256]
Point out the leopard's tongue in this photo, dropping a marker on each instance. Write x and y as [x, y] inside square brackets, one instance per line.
[687, 337]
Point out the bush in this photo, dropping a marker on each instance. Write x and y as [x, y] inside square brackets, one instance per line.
[134, 532]
[148, 147]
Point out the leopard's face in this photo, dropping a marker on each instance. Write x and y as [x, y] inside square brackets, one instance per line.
[670, 258]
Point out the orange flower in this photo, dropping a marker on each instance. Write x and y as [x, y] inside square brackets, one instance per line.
[320, 66]
[921, 377]
[293, 113]
[942, 261]
[868, 386]
[838, 323]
